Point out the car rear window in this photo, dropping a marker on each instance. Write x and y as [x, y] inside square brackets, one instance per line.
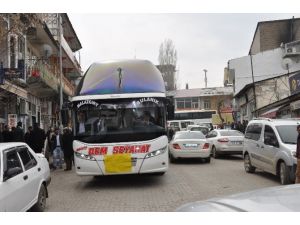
[189, 135]
[231, 133]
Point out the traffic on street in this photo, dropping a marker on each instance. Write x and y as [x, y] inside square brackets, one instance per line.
[83, 132]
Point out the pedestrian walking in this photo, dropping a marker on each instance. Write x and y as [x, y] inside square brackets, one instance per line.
[29, 137]
[1, 136]
[67, 145]
[298, 156]
[7, 134]
[18, 133]
[57, 149]
[39, 137]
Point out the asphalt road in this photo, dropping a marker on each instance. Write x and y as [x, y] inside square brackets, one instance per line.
[185, 181]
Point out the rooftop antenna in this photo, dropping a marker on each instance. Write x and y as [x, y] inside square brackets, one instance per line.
[205, 78]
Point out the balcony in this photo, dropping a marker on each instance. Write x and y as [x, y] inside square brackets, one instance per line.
[44, 81]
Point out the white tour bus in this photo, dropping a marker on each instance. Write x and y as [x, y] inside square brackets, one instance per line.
[119, 119]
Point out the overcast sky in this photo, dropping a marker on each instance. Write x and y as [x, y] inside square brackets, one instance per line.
[202, 41]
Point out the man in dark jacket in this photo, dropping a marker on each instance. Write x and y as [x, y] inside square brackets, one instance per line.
[18, 133]
[56, 144]
[67, 144]
[298, 156]
[1, 137]
[7, 134]
[39, 137]
[29, 137]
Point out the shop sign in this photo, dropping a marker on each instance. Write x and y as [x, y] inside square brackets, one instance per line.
[294, 82]
[12, 120]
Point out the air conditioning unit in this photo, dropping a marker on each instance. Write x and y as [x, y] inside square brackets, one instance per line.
[292, 49]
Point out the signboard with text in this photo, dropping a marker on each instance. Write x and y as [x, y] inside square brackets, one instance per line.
[12, 120]
[295, 83]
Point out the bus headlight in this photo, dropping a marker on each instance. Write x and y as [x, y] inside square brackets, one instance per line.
[84, 156]
[157, 152]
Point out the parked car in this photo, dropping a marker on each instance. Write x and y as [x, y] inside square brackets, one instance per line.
[24, 177]
[273, 199]
[208, 124]
[189, 144]
[203, 129]
[270, 145]
[229, 142]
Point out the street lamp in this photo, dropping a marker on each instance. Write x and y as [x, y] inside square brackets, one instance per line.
[205, 78]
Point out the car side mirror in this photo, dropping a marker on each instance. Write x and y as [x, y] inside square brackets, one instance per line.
[11, 172]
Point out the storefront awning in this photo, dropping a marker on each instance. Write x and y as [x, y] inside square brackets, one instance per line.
[271, 113]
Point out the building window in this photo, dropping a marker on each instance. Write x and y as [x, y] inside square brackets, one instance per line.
[12, 47]
[195, 103]
[206, 104]
[180, 104]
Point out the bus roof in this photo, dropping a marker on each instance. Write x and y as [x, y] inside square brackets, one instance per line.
[121, 77]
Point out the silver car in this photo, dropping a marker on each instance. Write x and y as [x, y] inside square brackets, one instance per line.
[225, 142]
[274, 199]
[270, 145]
[189, 144]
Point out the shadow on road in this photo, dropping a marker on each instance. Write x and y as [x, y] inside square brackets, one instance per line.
[125, 181]
[190, 161]
[266, 175]
[230, 157]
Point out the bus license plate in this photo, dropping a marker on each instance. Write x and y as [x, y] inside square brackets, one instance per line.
[118, 163]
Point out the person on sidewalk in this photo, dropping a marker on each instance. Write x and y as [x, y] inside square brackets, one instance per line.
[67, 141]
[298, 157]
[57, 149]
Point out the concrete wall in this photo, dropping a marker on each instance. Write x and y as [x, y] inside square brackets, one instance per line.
[266, 65]
[255, 48]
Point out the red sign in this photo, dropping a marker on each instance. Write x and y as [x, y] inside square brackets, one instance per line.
[98, 151]
[131, 149]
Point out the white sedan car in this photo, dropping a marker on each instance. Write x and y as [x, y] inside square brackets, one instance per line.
[225, 142]
[24, 177]
[189, 144]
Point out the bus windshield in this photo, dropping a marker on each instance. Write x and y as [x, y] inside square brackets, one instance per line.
[119, 120]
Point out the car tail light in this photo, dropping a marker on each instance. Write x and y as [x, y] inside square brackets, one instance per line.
[223, 140]
[176, 146]
[205, 146]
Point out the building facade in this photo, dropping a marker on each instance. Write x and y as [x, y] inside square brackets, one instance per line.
[262, 79]
[30, 72]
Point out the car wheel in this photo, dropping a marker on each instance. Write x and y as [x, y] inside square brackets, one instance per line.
[172, 159]
[41, 203]
[247, 164]
[284, 174]
[207, 160]
[214, 152]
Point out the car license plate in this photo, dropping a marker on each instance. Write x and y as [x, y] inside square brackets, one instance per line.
[236, 142]
[191, 145]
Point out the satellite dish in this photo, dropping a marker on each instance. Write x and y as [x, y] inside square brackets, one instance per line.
[46, 50]
[287, 63]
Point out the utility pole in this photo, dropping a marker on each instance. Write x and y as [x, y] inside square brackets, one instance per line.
[205, 78]
[253, 83]
[60, 69]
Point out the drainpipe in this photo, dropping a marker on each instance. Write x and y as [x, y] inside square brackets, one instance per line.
[253, 83]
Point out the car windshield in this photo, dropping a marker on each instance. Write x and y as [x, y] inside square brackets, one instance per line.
[288, 133]
[231, 133]
[119, 120]
[189, 135]
[204, 130]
